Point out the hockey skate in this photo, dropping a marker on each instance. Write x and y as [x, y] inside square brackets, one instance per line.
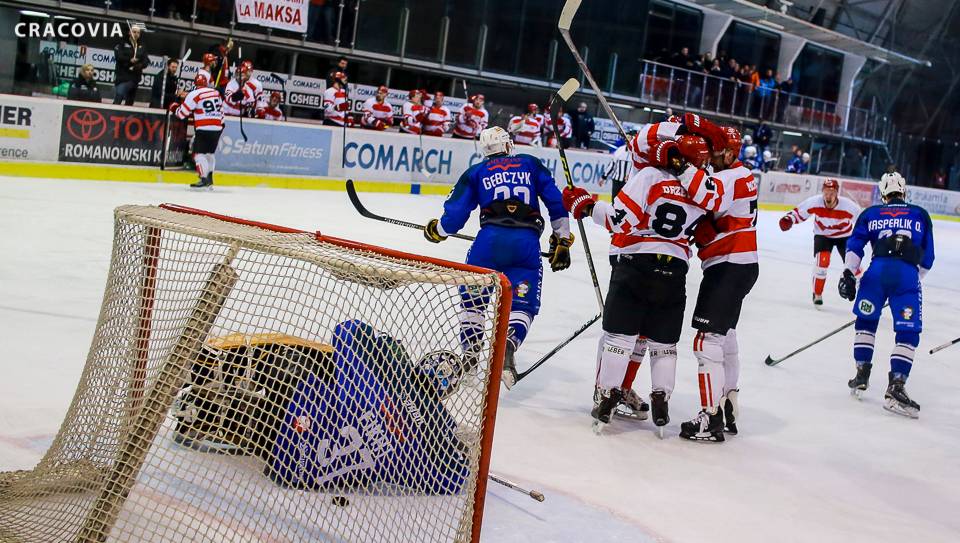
[704, 427]
[731, 409]
[861, 381]
[204, 183]
[603, 410]
[817, 300]
[509, 376]
[896, 399]
[660, 410]
[632, 406]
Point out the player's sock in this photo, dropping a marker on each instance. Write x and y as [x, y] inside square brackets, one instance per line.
[636, 358]
[820, 272]
[731, 362]
[520, 322]
[708, 348]
[901, 359]
[663, 366]
[471, 330]
[863, 340]
[614, 358]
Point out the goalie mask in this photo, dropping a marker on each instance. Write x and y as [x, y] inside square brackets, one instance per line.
[495, 141]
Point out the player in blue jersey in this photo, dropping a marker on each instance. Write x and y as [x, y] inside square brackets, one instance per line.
[506, 187]
[901, 237]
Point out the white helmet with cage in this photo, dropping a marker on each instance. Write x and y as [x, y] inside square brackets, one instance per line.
[891, 183]
[495, 141]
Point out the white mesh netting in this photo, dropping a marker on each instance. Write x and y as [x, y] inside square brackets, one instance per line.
[249, 383]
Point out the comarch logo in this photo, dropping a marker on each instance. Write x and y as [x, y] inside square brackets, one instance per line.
[70, 29]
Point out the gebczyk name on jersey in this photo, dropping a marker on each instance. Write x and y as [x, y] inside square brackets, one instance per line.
[500, 178]
[897, 223]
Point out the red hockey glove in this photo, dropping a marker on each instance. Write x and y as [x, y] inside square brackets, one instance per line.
[786, 223]
[701, 126]
[578, 202]
[173, 107]
[666, 155]
[705, 232]
[343, 107]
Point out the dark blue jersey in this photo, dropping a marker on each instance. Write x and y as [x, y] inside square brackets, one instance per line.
[507, 190]
[894, 230]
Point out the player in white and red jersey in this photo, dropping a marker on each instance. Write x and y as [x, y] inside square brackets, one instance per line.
[833, 220]
[650, 135]
[472, 119]
[412, 112]
[436, 121]
[377, 113]
[204, 104]
[527, 128]
[728, 252]
[271, 111]
[651, 219]
[209, 60]
[243, 93]
[336, 104]
[564, 126]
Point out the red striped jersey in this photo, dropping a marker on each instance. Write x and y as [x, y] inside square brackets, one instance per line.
[335, 105]
[832, 222]
[376, 115]
[526, 129]
[271, 113]
[412, 114]
[437, 121]
[206, 106]
[252, 93]
[647, 137]
[471, 121]
[733, 233]
[651, 214]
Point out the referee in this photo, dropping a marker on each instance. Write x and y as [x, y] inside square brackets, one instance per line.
[621, 168]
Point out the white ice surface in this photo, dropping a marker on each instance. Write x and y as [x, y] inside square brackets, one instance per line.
[810, 464]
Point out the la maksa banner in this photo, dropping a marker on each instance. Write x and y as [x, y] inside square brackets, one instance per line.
[282, 14]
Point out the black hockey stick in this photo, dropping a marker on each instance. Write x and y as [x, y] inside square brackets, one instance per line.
[355, 200]
[566, 19]
[944, 346]
[564, 93]
[556, 349]
[770, 361]
[240, 89]
[166, 120]
[466, 94]
[283, 88]
[535, 494]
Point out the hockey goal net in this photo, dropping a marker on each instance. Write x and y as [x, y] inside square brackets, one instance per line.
[254, 383]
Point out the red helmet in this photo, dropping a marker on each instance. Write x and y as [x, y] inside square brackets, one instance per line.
[694, 149]
[382, 89]
[831, 184]
[277, 95]
[200, 81]
[246, 67]
[532, 108]
[732, 136]
[414, 92]
[209, 58]
[476, 97]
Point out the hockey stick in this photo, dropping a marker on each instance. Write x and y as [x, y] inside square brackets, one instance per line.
[770, 361]
[166, 121]
[554, 351]
[566, 18]
[240, 83]
[343, 148]
[466, 94]
[944, 346]
[514, 486]
[564, 93]
[363, 211]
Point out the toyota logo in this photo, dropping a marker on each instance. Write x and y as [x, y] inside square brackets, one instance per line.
[86, 124]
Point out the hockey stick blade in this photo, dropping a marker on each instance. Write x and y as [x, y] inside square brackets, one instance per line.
[569, 12]
[770, 361]
[554, 351]
[568, 89]
[535, 494]
[363, 211]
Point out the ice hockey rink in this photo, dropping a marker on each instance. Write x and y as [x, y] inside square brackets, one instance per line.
[810, 463]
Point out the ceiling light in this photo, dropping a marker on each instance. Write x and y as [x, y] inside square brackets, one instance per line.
[29, 13]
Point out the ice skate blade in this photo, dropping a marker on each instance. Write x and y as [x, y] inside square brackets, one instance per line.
[508, 379]
[629, 414]
[701, 437]
[857, 393]
[897, 409]
[208, 188]
[598, 427]
[660, 432]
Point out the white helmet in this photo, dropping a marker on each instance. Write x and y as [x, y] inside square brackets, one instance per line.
[750, 152]
[805, 157]
[767, 156]
[495, 141]
[891, 183]
[747, 139]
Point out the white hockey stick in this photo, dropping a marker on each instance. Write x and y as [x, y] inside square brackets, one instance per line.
[537, 495]
[566, 18]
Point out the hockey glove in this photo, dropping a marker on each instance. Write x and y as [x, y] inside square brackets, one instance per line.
[700, 126]
[578, 202]
[432, 232]
[786, 223]
[237, 96]
[848, 286]
[666, 155]
[560, 252]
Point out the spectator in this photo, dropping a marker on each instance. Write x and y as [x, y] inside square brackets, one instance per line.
[765, 92]
[340, 66]
[762, 135]
[800, 163]
[84, 88]
[940, 180]
[320, 21]
[272, 111]
[171, 94]
[746, 142]
[750, 158]
[785, 88]
[683, 59]
[583, 125]
[131, 56]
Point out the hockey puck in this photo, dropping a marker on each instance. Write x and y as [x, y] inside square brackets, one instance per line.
[341, 501]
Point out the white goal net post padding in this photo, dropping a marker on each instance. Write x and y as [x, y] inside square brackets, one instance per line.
[249, 382]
